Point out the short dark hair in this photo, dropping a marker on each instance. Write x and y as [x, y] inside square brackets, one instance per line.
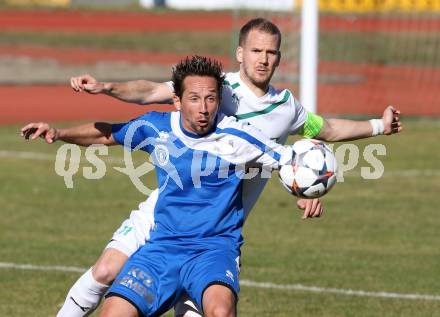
[259, 24]
[197, 66]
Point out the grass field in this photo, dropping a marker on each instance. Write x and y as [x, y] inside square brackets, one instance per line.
[376, 235]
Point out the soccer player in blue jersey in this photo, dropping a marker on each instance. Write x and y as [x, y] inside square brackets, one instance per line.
[201, 158]
[246, 94]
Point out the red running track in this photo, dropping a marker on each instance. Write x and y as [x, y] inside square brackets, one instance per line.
[82, 21]
[23, 104]
[413, 90]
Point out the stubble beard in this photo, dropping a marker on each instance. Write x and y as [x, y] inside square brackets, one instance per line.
[262, 84]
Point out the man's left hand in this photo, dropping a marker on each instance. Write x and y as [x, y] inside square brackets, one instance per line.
[391, 121]
[312, 207]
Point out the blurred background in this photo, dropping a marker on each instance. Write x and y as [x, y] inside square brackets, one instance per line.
[371, 53]
[378, 236]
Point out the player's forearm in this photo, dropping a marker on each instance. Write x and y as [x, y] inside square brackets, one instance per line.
[335, 130]
[92, 133]
[140, 91]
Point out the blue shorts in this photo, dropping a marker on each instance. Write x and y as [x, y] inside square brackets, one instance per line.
[154, 277]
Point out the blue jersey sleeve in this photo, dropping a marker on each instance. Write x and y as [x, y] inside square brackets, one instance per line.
[139, 133]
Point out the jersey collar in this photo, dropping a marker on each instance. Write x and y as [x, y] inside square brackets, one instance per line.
[195, 135]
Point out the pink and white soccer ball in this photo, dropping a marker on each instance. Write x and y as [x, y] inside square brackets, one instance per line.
[313, 170]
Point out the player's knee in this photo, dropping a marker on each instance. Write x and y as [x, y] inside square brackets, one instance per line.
[105, 273]
[220, 310]
[115, 306]
[108, 266]
[107, 312]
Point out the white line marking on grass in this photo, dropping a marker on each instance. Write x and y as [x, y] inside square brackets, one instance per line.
[248, 283]
[5, 265]
[357, 174]
[49, 157]
[27, 155]
[402, 173]
[349, 292]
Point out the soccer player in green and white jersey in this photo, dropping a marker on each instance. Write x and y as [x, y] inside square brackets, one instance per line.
[248, 95]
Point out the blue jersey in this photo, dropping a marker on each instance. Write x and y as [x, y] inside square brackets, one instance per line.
[200, 177]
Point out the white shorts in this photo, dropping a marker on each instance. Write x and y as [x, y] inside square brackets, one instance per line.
[135, 231]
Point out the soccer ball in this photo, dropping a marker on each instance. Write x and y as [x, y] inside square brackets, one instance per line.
[313, 170]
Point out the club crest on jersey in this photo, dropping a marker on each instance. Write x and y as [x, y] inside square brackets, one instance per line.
[163, 136]
[162, 154]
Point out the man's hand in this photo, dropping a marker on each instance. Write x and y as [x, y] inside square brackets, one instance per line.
[312, 207]
[89, 84]
[41, 129]
[391, 121]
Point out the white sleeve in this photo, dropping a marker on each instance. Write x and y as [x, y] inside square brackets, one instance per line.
[255, 149]
[300, 115]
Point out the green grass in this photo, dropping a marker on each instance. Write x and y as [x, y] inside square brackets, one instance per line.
[376, 235]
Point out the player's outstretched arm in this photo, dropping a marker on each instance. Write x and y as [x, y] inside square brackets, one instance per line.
[142, 92]
[344, 130]
[92, 133]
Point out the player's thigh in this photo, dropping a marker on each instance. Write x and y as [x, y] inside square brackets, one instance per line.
[215, 267]
[118, 307]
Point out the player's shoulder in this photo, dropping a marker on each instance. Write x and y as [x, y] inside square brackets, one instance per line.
[283, 95]
[232, 80]
[229, 123]
[237, 131]
[156, 116]
[154, 120]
